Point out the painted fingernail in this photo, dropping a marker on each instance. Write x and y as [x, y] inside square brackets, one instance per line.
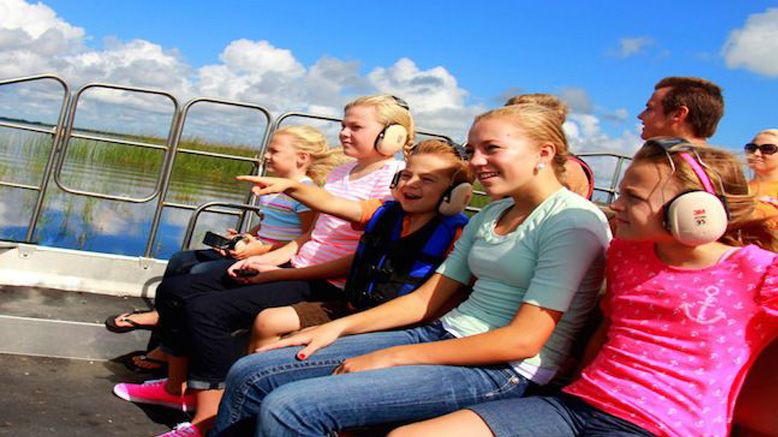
[301, 356]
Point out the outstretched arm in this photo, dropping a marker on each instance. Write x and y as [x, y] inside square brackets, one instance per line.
[309, 195]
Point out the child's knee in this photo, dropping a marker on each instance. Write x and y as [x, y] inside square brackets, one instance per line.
[270, 322]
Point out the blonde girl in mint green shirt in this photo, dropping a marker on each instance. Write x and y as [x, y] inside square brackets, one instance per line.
[517, 287]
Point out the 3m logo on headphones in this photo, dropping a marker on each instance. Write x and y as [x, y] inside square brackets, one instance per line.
[700, 217]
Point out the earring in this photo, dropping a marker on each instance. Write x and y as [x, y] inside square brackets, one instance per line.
[540, 166]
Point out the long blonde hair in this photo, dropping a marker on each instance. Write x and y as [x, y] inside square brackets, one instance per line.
[323, 157]
[389, 110]
[548, 100]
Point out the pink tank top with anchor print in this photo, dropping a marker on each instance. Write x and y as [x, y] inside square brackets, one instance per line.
[680, 341]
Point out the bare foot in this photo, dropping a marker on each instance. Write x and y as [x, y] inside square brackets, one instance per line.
[128, 320]
[152, 360]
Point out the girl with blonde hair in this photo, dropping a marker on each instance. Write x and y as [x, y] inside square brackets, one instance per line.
[512, 294]
[296, 152]
[199, 313]
[689, 306]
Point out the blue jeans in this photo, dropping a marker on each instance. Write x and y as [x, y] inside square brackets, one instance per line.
[283, 396]
[552, 416]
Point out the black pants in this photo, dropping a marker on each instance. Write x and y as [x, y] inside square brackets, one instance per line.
[200, 312]
[185, 262]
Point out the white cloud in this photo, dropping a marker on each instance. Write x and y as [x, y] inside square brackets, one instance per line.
[754, 46]
[429, 90]
[577, 99]
[260, 56]
[617, 115]
[585, 134]
[33, 39]
[138, 63]
[633, 46]
[438, 103]
[35, 20]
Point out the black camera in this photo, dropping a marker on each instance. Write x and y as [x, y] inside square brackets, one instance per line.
[220, 242]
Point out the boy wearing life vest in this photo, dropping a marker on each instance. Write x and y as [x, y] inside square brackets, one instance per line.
[403, 242]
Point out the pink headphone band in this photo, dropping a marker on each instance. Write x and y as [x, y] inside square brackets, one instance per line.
[699, 171]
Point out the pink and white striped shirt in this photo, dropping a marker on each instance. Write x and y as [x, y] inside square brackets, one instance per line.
[333, 238]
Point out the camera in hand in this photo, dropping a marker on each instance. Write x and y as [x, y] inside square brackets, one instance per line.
[246, 272]
[220, 242]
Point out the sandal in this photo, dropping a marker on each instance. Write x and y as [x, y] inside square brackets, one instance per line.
[110, 322]
[153, 365]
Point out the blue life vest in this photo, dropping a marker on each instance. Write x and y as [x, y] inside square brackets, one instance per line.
[386, 265]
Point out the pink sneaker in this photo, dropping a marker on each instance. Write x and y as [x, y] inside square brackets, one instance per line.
[185, 429]
[153, 392]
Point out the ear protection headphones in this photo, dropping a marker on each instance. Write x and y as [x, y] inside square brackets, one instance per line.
[393, 136]
[693, 217]
[457, 196]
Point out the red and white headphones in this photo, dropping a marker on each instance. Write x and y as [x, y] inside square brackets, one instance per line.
[693, 217]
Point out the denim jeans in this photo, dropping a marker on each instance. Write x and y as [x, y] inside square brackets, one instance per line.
[282, 396]
[552, 416]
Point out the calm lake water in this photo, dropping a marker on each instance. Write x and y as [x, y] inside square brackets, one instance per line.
[87, 223]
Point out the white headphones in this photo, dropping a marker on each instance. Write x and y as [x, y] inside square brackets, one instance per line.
[394, 136]
[457, 196]
[391, 139]
[693, 217]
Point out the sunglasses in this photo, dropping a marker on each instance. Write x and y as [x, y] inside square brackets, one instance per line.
[766, 149]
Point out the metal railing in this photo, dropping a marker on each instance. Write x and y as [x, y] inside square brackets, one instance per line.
[64, 131]
[612, 189]
[56, 134]
[168, 170]
[69, 134]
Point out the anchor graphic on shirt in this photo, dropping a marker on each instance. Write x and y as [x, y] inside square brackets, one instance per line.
[710, 300]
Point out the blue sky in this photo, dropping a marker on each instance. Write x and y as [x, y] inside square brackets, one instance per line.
[450, 60]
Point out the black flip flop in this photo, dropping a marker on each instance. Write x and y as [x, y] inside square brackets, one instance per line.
[110, 322]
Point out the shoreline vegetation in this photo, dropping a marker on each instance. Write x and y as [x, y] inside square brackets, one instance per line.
[79, 222]
[217, 171]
